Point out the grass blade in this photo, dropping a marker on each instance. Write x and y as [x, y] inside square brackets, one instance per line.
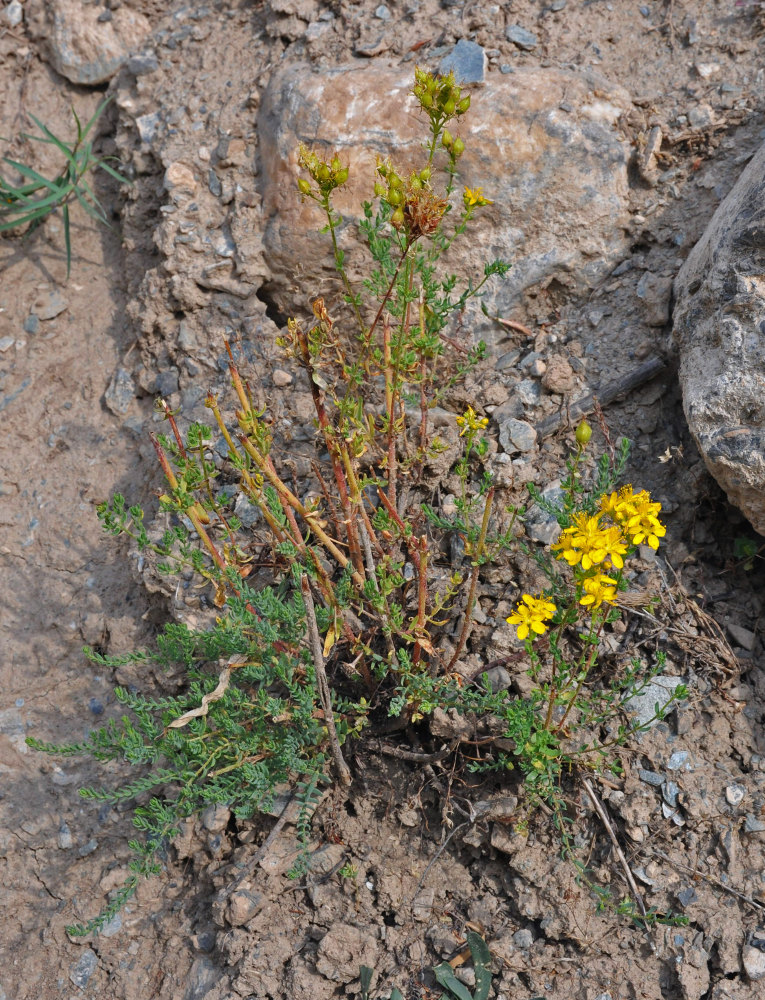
[67, 241]
[54, 139]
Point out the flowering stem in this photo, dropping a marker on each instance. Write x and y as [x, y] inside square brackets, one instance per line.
[595, 639]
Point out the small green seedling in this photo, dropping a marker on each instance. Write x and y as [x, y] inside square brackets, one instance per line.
[30, 203]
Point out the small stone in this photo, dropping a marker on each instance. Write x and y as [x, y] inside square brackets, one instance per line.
[521, 37]
[49, 304]
[523, 939]
[89, 848]
[382, 13]
[669, 792]
[14, 13]
[742, 636]
[32, 324]
[635, 834]
[247, 512]
[112, 926]
[558, 5]
[96, 706]
[678, 759]
[202, 977]
[215, 818]
[81, 971]
[147, 126]
[529, 393]
[707, 70]
[517, 435]
[120, 393]
[753, 825]
[656, 292]
[167, 382]
[734, 794]
[143, 63]
[179, 177]
[701, 116]
[243, 905]
[6, 343]
[281, 378]
[499, 679]
[467, 60]
[687, 896]
[64, 838]
[559, 376]
[659, 691]
[754, 963]
[650, 777]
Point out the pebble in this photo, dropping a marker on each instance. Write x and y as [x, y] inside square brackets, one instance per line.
[754, 963]
[669, 792]
[202, 977]
[707, 70]
[243, 905]
[247, 512]
[81, 971]
[499, 678]
[517, 435]
[64, 838]
[523, 938]
[5, 344]
[49, 304]
[32, 324]
[96, 706]
[281, 378]
[14, 13]
[89, 848]
[468, 61]
[651, 777]
[529, 392]
[120, 393]
[735, 794]
[382, 13]
[147, 126]
[521, 37]
[215, 818]
[679, 757]
[143, 63]
[179, 177]
[742, 636]
[658, 691]
[112, 926]
[753, 825]
[687, 896]
[557, 5]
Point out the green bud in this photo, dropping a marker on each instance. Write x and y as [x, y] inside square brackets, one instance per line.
[458, 147]
[463, 105]
[322, 173]
[303, 186]
[394, 196]
[450, 106]
[425, 175]
[447, 140]
[426, 101]
[395, 181]
[336, 164]
[397, 219]
[415, 183]
[342, 175]
[583, 433]
[380, 189]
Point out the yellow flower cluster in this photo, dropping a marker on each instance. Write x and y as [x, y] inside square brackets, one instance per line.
[598, 543]
[471, 422]
[473, 198]
[531, 615]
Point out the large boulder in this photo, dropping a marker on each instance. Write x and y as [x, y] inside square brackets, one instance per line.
[719, 327]
[542, 143]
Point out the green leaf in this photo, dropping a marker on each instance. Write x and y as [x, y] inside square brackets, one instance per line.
[445, 976]
[481, 960]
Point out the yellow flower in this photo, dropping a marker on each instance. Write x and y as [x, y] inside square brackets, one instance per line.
[531, 615]
[598, 589]
[636, 514]
[470, 421]
[473, 198]
[590, 543]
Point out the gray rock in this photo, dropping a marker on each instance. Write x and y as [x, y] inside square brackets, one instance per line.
[555, 6]
[49, 304]
[120, 393]
[215, 818]
[517, 435]
[567, 172]
[650, 777]
[523, 938]
[81, 970]
[753, 961]
[753, 825]
[467, 60]
[521, 37]
[735, 794]
[14, 13]
[529, 392]
[669, 792]
[719, 319]
[143, 64]
[679, 759]
[79, 46]
[742, 636]
[382, 13]
[541, 526]
[147, 126]
[203, 975]
[32, 324]
[659, 691]
[112, 927]
[656, 291]
[6, 343]
[243, 905]
[687, 896]
[64, 838]
[167, 382]
[499, 678]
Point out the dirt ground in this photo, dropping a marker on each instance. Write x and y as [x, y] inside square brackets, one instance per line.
[692, 67]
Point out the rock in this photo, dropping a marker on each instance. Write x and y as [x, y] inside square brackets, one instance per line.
[467, 61]
[656, 291]
[64, 838]
[734, 794]
[650, 777]
[342, 950]
[753, 961]
[143, 63]
[281, 378]
[179, 177]
[679, 759]
[48, 305]
[13, 13]
[120, 393]
[147, 126]
[203, 975]
[742, 636]
[562, 174]
[242, 906]
[215, 818]
[79, 46]
[6, 343]
[642, 706]
[517, 435]
[523, 939]
[32, 324]
[559, 376]
[719, 321]
[81, 971]
[541, 526]
[521, 37]
[753, 825]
